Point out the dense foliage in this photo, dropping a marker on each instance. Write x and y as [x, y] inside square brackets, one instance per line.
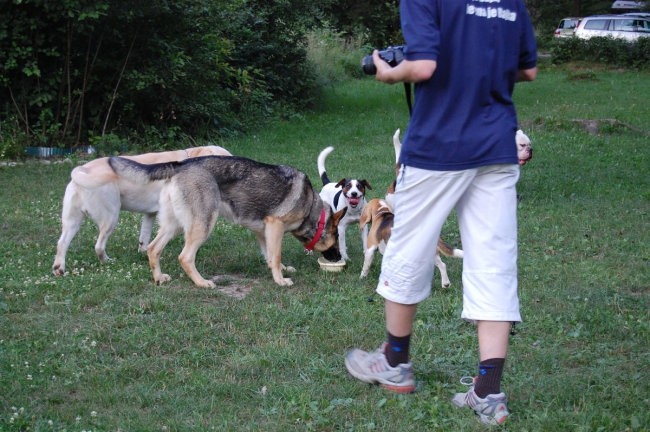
[76, 69]
[130, 74]
[610, 51]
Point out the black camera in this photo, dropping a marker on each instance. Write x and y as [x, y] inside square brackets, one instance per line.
[393, 55]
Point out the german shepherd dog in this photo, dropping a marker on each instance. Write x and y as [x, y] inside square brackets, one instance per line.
[270, 200]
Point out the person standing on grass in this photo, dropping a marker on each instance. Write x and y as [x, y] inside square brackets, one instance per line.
[458, 153]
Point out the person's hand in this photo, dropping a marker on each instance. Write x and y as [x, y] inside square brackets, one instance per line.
[381, 65]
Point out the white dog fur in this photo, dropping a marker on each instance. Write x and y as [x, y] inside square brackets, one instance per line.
[96, 191]
[350, 193]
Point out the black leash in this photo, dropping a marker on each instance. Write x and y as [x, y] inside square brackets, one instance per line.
[408, 91]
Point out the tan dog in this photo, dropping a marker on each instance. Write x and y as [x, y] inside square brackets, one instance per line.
[270, 200]
[96, 191]
[378, 213]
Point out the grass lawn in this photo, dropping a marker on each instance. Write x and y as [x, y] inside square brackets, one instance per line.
[105, 349]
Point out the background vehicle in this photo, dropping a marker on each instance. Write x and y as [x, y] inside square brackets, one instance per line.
[566, 27]
[628, 27]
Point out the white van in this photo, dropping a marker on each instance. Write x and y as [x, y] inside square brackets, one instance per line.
[628, 27]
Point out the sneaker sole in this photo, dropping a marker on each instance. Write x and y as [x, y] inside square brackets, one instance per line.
[395, 388]
[459, 402]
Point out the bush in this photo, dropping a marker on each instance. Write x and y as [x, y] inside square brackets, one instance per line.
[85, 68]
[608, 51]
[334, 57]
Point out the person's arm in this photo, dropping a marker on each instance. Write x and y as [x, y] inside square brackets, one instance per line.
[406, 71]
[527, 74]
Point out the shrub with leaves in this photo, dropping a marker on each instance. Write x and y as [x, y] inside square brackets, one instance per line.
[75, 69]
[609, 51]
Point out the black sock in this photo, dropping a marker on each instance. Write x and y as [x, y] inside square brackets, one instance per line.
[397, 349]
[488, 380]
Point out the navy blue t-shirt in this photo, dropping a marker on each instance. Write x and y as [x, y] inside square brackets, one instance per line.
[464, 117]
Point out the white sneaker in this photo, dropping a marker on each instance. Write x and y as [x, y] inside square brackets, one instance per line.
[372, 367]
[492, 409]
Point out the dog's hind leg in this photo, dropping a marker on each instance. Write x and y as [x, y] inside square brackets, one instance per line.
[145, 231]
[364, 237]
[106, 228]
[444, 277]
[273, 234]
[102, 205]
[368, 256]
[169, 228]
[71, 219]
[154, 251]
[195, 236]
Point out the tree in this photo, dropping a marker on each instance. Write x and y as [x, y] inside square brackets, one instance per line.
[73, 69]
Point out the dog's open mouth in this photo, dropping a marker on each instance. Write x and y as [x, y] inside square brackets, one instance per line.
[353, 201]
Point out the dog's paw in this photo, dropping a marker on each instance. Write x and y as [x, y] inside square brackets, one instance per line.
[162, 279]
[205, 284]
[102, 256]
[284, 282]
[288, 269]
[58, 270]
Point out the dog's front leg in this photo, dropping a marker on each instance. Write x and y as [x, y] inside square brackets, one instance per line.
[262, 242]
[444, 278]
[342, 246]
[273, 233]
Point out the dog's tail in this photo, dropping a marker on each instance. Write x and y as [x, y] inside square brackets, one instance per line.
[141, 173]
[397, 145]
[92, 177]
[320, 162]
[448, 251]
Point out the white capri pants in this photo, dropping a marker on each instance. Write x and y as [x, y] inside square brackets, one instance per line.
[485, 200]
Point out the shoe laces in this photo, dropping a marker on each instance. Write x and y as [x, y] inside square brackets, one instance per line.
[468, 381]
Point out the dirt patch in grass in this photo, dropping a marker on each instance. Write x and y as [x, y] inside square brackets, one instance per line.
[233, 285]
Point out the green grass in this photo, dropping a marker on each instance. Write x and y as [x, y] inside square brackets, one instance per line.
[104, 349]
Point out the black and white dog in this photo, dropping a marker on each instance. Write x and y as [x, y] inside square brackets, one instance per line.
[350, 193]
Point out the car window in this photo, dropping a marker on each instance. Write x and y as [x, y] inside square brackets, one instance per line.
[568, 24]
[596, 24]
[642, 25]
[624, 24]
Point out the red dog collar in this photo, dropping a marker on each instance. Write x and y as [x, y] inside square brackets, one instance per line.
[321, 225]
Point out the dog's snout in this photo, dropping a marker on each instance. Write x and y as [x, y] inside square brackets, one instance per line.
[332, 254]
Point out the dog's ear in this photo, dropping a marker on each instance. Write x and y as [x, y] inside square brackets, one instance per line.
[342, 182]
[336, 217]
[365, 183]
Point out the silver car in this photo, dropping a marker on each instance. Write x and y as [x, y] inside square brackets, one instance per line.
[566, 27]
[628, 27]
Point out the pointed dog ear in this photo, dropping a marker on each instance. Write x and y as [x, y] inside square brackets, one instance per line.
[336, 217]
